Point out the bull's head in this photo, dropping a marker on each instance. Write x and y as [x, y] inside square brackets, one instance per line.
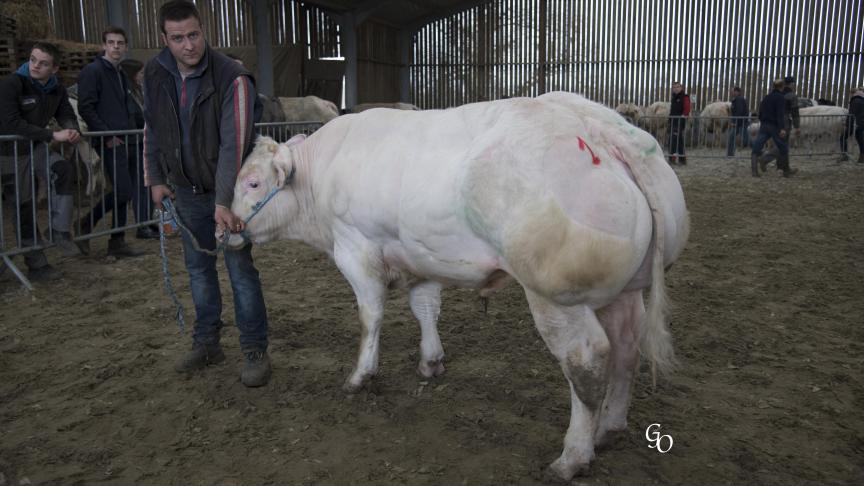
[259, 192]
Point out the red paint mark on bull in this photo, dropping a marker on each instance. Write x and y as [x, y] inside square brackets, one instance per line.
[582, 146]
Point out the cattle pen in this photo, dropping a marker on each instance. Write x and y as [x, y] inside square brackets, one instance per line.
[765, 298]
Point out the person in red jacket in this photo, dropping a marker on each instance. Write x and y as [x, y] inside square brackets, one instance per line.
[678, 113]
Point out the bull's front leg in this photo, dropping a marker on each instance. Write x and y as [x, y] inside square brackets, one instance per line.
[362, 270]
[425, 299]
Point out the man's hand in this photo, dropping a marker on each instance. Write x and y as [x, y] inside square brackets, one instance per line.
[797, 132]
[160, 192]
[782, 133]
[113, 142]
[67, 135]
[227, 221]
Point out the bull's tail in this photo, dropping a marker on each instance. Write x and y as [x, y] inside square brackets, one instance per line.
[655, 341]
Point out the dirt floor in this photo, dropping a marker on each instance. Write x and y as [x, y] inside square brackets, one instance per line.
[767, 322]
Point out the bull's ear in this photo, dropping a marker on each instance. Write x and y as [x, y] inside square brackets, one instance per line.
[295, 139]
[284, 167]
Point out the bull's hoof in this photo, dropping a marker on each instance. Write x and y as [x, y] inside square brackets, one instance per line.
[430, 369]
[609, 438]
[563, 473]
[355, 383]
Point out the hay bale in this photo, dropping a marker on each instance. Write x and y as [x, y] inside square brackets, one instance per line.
[31, 19]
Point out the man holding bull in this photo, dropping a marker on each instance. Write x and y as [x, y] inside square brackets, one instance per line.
[198, 109]
[772, 125]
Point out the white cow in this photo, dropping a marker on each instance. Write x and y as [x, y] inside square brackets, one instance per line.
[656, 119]
[631, 111]
[821, 125]
[393, 106]
[714, 119]
[308, 109]
[556, 192]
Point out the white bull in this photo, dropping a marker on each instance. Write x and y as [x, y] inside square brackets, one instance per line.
[556, 192]
[392, 106]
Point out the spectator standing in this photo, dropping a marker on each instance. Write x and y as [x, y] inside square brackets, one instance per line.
[740, 117]
[793, 118]
[103, 102]
[855, 125]
[678, 113]
[772, 125]
[198, 110]
[134, 70]
[29, 99]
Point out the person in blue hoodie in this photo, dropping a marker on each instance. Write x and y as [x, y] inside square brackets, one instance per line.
[29, 99]
[103, 102]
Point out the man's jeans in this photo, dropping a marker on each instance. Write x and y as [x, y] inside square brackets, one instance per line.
[734, 130]
[116, 163]
[196, 213]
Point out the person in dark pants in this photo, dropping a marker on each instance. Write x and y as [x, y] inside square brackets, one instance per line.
[772, 123]
[855, 125]
[739, 122]
[678, 113]
[103, 104]
[29, 99]
[134, 70]
[199, 108]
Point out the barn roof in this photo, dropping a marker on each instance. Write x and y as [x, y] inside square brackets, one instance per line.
[409, 14]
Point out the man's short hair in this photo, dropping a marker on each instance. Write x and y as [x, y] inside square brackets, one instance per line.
[113, 29]
[779, 83]
[736, 89]
[789, 79]
[48, 48]
[176, 11]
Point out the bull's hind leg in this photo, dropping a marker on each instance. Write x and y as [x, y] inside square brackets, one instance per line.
[575, 337]
[425, 299]
[621, 320]
[360, 271]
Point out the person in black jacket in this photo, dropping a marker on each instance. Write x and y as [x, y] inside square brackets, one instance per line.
[772, 125]
[198, 110]
[134, 70]
[103, 102]
[29, 99]
[855, 125]
[678, 113]
[740, 118]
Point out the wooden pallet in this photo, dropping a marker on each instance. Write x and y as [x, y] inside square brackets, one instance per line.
[7, 27]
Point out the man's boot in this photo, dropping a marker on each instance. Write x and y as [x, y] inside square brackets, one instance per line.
[256, 369]
[63, 240]
[199, 357]
[682, 160]
[860, 158]
[783, 164]
[754, 165]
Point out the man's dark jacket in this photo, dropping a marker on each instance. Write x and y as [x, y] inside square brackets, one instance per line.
[793, 119]
[26, 110]
[856, 109]
[166, 146]
[772, 112]
[103, 92]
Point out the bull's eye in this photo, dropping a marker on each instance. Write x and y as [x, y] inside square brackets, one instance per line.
[253, 185]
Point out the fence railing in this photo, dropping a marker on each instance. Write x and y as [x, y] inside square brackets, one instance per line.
[818, 135]
[57, 194]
